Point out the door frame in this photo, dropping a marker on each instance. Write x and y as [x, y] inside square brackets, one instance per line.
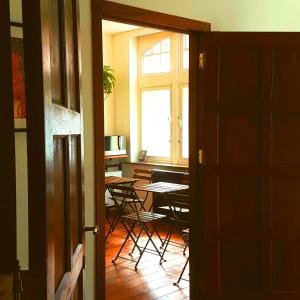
[136, 16]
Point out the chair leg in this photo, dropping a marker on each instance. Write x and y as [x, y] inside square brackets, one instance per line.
[129, 230]
[181, 274]
[137, 239]
[167, 241]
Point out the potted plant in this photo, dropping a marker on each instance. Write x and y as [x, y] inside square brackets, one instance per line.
[108, 81]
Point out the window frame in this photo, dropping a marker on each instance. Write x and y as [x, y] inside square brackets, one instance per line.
[176, 79]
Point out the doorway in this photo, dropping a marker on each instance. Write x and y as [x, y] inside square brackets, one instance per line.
[146, 132]
[130, 15]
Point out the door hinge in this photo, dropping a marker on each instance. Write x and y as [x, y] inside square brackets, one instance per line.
[202, 60]
[200, 156]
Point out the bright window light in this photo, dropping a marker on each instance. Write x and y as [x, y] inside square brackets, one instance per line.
[185, 122]
[158, 58]
[156, 127]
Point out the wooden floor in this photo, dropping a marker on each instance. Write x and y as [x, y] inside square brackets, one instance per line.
[151, 280]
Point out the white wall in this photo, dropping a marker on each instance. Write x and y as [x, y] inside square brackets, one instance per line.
[231, 15]
[87, 98]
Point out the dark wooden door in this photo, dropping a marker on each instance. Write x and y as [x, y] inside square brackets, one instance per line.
[249, 129]
[55, 147]
[66, 222]
[8, 248]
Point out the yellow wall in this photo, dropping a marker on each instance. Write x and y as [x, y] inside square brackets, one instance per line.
[109, 106]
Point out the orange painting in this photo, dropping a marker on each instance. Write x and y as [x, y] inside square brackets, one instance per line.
[18, 78]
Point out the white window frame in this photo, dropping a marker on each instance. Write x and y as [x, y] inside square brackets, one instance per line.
[176, 79]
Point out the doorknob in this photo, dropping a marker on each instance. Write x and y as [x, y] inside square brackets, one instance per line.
[95, 229]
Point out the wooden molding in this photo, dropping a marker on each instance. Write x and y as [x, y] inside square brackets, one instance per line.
[138, 16]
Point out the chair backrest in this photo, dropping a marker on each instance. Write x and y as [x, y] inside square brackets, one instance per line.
[143, 174]
[180, 205]
[180, 199]
[121, 193]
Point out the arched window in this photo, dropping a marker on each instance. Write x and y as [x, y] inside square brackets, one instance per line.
[157, 59]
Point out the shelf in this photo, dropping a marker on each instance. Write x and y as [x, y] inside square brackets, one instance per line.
[116, 156]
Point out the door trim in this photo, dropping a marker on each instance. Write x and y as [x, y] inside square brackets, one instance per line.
[136, 16]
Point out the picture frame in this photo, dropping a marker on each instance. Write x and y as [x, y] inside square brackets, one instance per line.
[142, 155]
[18, 74]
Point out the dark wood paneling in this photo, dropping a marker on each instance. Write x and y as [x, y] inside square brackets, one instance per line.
[99, 146]
[38, 187]
[237, 208]
[286, 270]
[286, 204]
[239, 75]
[133, 15]
[251, 229]
[71, 56]
[241, 266]
[56, 54]
[75, 193]
[236, 147]
[8, 250]
[286, 147]
[55, 153]
[60, 208]
[287, 79]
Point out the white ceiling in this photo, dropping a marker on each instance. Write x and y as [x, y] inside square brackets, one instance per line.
[114, 27]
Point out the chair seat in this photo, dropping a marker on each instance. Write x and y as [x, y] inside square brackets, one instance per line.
[128, 200]
[176, 208]
[144, 217]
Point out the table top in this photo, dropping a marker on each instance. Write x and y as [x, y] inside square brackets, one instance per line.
[161, 187]
[119, 180]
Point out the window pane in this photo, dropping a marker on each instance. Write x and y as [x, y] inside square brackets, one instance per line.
[185, 62]
[157, 59]
[165, 64]
[185, 122]
[185, 41]
[165, 45]
[147, 64]
[156, 48]
[156, 130]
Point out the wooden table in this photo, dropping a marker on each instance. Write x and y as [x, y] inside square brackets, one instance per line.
[119, 180]
[162, 187]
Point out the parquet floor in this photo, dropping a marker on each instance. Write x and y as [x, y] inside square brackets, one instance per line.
[151, 280]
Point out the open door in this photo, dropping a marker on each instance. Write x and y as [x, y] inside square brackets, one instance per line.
[55, 149]
[8, 233]
[250, 174]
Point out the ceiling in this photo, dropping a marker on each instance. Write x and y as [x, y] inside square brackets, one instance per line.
[114, 27]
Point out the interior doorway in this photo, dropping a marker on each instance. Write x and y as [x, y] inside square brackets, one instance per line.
[139, 17]
[146, 90]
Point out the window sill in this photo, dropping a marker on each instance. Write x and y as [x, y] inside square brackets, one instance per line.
[158, 164]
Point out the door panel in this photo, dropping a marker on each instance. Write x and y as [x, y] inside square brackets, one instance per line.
[67, 133]
[56, 193]
[251, 192]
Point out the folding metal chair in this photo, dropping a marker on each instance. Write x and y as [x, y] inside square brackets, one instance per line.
[185, 233]
[144, 176]
[122, 201]
[177, 208]
[143, 220]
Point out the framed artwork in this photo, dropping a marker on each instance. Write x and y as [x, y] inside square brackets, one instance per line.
[18, 76]
[142, 155]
